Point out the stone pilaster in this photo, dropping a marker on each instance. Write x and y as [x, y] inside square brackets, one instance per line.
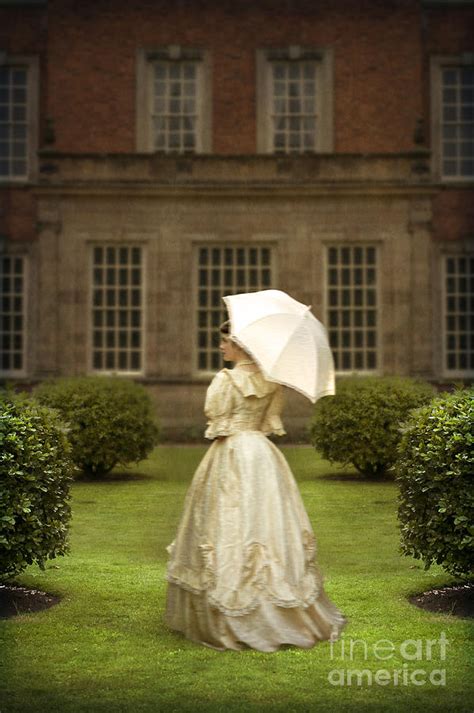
[48, 270]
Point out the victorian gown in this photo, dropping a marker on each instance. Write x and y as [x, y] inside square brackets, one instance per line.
[242, 569]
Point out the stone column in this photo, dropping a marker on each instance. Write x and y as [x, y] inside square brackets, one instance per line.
[421, 313]
[49, 230]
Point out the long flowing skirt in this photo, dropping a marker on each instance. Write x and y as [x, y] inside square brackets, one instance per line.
[242, 569]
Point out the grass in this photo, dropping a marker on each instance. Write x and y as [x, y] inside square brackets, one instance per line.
[105, 647]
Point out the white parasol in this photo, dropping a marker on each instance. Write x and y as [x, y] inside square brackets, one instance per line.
[286, 340]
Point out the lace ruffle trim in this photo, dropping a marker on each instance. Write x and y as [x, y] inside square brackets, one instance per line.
[219, 427]
[250, 383]
[255, 572]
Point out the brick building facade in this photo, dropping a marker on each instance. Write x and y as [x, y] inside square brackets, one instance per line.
[155, 156]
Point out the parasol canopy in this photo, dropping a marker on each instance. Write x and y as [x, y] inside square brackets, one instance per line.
[286, 340]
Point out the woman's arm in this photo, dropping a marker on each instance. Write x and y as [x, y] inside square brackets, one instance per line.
[219, 406]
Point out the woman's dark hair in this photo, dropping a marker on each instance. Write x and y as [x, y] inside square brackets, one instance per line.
[225, 328]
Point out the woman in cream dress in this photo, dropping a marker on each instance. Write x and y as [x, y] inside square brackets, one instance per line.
[242, 568]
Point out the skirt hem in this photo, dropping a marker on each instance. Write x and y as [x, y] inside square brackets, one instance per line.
[265, 629]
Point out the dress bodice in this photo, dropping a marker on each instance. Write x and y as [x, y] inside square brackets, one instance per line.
[239, 400]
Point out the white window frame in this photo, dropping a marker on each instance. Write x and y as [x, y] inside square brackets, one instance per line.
[438, 63]
[10, 373]
[145, 97]
[143, 310]
[324, 94]
[206, 374]
[31, 64]
[378, 306]
[445, 256]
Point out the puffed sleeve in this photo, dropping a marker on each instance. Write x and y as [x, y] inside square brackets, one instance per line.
[272, 422]
[219, 405]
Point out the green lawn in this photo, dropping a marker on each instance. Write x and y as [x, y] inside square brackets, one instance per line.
[105, 647]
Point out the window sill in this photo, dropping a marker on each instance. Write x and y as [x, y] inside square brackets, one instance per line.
[466, 376]
[456, 182]
[16, 182]
[358, 372]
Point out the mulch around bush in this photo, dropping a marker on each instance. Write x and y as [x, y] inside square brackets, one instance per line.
[15, 599]
[457, 600]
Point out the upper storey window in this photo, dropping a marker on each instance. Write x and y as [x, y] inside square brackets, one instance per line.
[294, 101]
[18, 118]
[173, 101]
[175, 113]
[294, 117]
[453, 118]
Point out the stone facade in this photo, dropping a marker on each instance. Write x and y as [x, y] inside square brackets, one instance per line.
[298, 205]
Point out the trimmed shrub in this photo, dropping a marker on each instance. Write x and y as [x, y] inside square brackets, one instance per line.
[360, 424]
[35, 472]
[110, 420]
[435, 475]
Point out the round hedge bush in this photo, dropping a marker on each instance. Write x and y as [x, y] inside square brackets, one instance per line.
[110, 420]
[435, 475]
[360, 424]
[35, 472]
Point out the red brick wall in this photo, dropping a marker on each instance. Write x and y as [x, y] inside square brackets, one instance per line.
[92, 58]
[23, 31]
[18, 214]
[453, 215]
[448, 31]
[444, 31]
[381, 73]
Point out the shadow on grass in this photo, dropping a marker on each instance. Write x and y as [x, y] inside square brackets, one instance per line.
[114, 477]
[172, 697]
[352, 477]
